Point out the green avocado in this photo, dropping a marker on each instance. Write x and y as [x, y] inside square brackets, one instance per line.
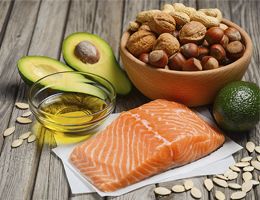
[106, 66]
[33, 68]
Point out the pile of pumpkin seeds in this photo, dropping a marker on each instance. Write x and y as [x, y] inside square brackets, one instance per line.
[245, 166]
[22, 120]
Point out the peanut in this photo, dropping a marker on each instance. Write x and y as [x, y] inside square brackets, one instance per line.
[133, 26]
[181, 18]
[146, 16]
[213, 12]
[182, 8]
[206, 20]
[168, 8]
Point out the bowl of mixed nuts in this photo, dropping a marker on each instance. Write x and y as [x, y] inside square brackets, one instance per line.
[183, 54]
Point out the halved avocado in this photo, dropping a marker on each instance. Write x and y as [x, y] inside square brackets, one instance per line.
[33, 68]
[106, 66]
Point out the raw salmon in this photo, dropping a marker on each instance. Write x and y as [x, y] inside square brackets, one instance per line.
[143, 142]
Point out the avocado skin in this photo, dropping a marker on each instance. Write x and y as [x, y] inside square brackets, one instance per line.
[107, 66]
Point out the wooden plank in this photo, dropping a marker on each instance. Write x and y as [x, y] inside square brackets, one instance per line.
[14, 185]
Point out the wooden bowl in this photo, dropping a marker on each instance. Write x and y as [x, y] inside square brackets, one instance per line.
[190, 88]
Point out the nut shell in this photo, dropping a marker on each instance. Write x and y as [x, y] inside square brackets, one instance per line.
[214, 35]
[209, 62]
[162, 23]
[192, 32]
[218, 52]
[235, 49]
[168, 43]
[233, 34]
[192, 64]
[141, 42]
[158, 58]
[176, 62]
[190, 50]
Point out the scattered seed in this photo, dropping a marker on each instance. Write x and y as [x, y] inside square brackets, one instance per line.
[22, 106]
[257, 149]
[31, 138]
[9, 131]
[162, 191]
[248, 169]
[255, 164]
[221, 177]
[242, 164]
[250, 146]
[234, 186]
[27, 114]
[220, 195]
[208, 184]
[23, 120]
[247, 176]
[25, 135]
[234, 168]
[247, 186]
[254, 182]
[220, 182]
[17, 143]
[238, 195]
[258, 158]
[196, 193]
[178, 188]
[228, 172]
[188, 184]
[246, 159]
[232, 176]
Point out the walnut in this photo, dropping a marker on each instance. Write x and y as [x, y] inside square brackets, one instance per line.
[162, 23]
[141, 42]
[192, 32]
[168, 43]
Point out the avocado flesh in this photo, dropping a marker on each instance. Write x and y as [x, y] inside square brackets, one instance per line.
[33, 68]
[107, 66]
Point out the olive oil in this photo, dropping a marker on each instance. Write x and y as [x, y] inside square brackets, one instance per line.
[63, 111]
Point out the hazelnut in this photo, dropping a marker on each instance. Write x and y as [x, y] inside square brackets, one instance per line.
[144, 57]
[190, 50]
[140, 42]
[233, 34]
[235, 49]
[224, 41]
[168, 43]
[176, 62]
[162, 23]
[214, 35]
[87, 52]
[192, 32]
[217, 51]
[158, 58]
[209, 62]
[192, 64]
[223, 26]
[203, 51]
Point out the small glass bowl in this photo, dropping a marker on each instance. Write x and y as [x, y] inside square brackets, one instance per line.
[73, 84]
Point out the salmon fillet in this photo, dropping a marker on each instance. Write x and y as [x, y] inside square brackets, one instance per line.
[143, 142]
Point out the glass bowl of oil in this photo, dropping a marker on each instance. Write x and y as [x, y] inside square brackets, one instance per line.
[72, 101]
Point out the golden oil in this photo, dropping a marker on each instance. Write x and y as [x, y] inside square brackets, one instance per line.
[63, 111]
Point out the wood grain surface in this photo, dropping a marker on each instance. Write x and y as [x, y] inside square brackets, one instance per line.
[38, 27]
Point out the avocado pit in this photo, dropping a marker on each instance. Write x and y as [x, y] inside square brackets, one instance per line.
[87, 52]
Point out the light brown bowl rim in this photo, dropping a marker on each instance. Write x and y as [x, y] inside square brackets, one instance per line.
[245, 37]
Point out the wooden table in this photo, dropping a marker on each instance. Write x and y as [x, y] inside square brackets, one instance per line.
[37, 27]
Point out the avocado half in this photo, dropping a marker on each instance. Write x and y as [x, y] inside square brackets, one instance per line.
[33, 68]
[106, 67]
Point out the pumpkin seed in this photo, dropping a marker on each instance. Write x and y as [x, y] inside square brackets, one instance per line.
[208, 184]
[188, 184]
[23, 120]
[242, 164]
[9, 131]
[31, 138]
[234, 168]
[257, 149]
[234, 186]
[258, 158]
[254, 182]
[247, 176]
[246, 159]
[196, 193]
[162, 191]
[250, 146]
[247, 186]
[25, 135]
[27, 114]
[22, 106]
[255, 164]
[221, 177]
[17, 143]
[228, 172]
[238, 195]
[220, 182]
[178, 188]
[220, 195]
[232, 176]
[248, 169]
